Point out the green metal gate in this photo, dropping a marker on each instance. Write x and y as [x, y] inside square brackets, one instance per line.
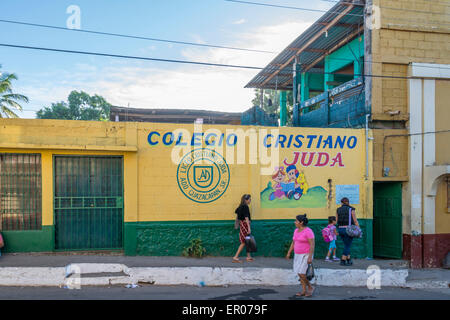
[387, 220]
[88, 202]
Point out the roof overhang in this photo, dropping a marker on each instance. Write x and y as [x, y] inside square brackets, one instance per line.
[338, 26]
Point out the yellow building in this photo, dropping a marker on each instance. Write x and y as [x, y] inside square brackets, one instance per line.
[384, 65]
[150, 188]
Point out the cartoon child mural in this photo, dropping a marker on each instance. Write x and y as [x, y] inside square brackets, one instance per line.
[278, 178]
[297, 185]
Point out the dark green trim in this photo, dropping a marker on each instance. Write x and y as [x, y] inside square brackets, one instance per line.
[29, 241]
[169, 238]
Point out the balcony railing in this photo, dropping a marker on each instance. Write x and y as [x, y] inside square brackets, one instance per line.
[343, 106]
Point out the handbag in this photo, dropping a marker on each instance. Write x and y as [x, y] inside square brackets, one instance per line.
[353, 231]
[310, 272]
[250, 243]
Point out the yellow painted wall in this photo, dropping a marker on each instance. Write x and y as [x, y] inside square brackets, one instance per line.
[403, 37]
[160, 197]
[53, 137]
[150, 180]
[395, 153]
[442, 214]
[442, 122]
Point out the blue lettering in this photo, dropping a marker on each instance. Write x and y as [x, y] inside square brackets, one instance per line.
[221, 139]
[352, 144]
[265, 141]
[298, 143]
[340, 141]
[290, 141]
[328, 142]
[179, 143]
[235, 140]
[149, 138]
[318, 142]
[195, 141]
[311, 139]
[281, 140]
[167, 134]
[213, 142]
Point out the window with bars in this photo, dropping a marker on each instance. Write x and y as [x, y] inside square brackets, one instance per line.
[20, 192]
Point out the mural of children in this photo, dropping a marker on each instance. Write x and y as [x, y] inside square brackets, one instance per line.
[296, 183]
[278, 178]
[301, 180]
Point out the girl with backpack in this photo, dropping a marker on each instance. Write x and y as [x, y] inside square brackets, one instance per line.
[330, 236]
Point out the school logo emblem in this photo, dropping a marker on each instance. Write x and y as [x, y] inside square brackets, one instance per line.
[203, 175]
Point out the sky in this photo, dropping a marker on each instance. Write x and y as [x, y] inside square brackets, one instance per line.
[48, 77]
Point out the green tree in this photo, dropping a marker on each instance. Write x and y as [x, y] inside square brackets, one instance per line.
[8, 99]
[272, 103]
[80, 106]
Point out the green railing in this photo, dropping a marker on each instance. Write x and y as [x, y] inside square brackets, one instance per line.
[88, 202]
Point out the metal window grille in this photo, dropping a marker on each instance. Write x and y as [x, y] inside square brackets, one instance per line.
[20, 192]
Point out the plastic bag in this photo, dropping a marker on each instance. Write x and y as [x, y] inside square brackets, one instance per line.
[250, 243]
[310, 272]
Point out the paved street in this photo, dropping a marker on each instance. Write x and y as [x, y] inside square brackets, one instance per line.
[149, 292]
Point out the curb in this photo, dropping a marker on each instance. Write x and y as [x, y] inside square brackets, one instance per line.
[93, 274]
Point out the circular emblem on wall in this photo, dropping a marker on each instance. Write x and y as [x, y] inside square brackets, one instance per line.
[203, 175]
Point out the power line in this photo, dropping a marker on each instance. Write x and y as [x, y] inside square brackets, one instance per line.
[349, 14]
[129, 57]
[131, 36]
[289, 7]
[183, 61]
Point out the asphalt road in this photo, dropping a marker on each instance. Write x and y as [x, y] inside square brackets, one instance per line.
[149, 292]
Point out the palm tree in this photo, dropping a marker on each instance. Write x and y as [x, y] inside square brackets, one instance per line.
[8, 99]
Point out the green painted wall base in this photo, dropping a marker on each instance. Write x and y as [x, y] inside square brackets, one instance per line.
[29, 241]
[273, 238]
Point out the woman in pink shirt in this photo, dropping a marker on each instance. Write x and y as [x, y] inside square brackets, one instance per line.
[303, 246]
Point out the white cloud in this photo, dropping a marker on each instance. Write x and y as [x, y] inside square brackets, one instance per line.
[240, 21]
[186, 86]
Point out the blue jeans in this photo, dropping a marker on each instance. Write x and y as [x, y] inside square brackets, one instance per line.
[347, 241]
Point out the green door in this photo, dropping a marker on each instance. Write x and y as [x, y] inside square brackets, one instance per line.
[387, 220]
[88, 202]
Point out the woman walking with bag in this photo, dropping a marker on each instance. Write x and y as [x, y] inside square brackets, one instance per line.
[243, 215]
[303, 245]
[346, 217]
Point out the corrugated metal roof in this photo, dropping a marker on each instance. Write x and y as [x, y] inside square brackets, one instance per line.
[348, 25]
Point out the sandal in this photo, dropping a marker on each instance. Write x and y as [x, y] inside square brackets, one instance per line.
[250, 259]
[300, 294]
[236, 260]
[309, 294]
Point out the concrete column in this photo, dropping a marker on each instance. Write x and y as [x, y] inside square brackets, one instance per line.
[429, 151]
[415, 163]
[304, 87]
[328, 76]
[283, 109]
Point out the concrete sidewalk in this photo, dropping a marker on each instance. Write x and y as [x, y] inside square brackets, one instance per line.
[69, 269]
